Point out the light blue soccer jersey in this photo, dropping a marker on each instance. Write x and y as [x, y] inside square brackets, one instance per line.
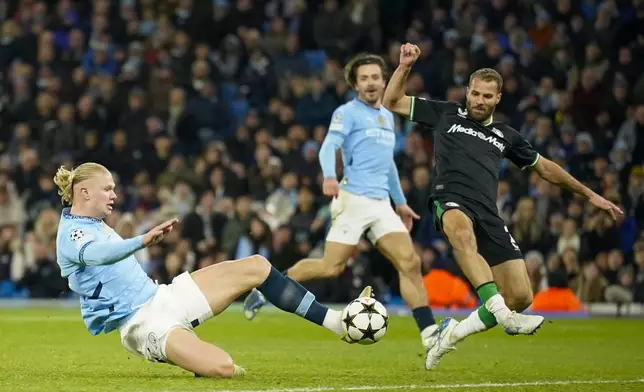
[367, 138]
[102, 269]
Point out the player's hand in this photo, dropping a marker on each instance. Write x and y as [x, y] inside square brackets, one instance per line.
[605, 205]
[330, 187]
[158, 233]
[407, 215]
[409, 54]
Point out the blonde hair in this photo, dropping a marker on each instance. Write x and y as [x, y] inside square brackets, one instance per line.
[65, 179]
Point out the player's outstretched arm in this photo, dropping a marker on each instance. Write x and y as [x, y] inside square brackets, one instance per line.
[108, 252]
[395, 98]
[554, 174]
[89, 251]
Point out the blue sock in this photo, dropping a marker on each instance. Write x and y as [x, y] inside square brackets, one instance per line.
[292, 297]
[424, 317]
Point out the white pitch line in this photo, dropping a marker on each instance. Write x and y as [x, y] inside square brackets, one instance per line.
[441, 386]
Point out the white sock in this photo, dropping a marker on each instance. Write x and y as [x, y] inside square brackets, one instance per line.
[496, 306]
[333, 321]
[427, 333]
[471, 325]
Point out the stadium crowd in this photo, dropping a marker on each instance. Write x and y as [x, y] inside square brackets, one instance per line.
[214, 111]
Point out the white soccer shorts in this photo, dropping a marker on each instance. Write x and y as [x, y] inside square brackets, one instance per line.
[352, 215]
[180, 304]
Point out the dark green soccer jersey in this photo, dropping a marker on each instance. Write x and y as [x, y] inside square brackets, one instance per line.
[468, 154]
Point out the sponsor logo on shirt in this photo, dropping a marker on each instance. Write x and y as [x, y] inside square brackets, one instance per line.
[457, 128]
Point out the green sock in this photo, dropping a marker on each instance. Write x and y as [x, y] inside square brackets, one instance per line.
[485, 292]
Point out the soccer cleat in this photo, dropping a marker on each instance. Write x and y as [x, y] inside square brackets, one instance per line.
[430, 340]
[239, 371]
[366, 292]
[345, 338]
[443, 343]
[522, 324]
[253, 303]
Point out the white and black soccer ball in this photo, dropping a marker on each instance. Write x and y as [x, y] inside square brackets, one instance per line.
[365, 320]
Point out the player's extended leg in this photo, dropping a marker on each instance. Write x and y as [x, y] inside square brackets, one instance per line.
[459, 231]
[398, 248]
[186, 350]
[332, 264]
[221, 284]
[512, 279]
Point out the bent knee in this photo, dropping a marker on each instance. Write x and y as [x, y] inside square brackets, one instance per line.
[333, 268]
[257, 267]
[409, 264]
[519, 301]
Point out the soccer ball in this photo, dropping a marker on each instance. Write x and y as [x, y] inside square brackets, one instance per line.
[365, 320]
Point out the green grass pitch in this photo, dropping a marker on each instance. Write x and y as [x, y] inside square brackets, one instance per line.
[50, 350]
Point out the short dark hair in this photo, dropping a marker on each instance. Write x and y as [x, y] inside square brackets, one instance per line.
[351, 69]
[488, 75]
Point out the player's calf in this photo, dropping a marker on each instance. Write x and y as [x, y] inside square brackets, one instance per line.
[333, 269]
[398, 248]
[290, 296]
[514, 284]
[519, 301]
[332, 264]
[184, 349]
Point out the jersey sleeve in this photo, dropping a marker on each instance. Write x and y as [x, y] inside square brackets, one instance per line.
[81, 246]
[521, 152]
[341, 121]
[427, 111]
[339, 129]
[395, 189]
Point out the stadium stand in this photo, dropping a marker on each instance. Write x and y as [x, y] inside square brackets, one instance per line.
[214, 111]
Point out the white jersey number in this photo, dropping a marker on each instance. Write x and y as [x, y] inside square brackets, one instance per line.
[514, 243]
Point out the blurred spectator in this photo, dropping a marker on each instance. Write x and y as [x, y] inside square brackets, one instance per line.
[216, 111]
[526, 229]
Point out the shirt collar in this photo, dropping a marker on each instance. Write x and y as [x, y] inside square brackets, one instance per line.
[68, 215]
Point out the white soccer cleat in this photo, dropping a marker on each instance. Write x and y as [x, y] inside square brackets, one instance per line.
[366, 292]
[431, 340]
[522, 324]
[443, 343]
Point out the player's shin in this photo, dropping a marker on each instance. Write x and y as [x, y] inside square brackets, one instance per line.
[426, 324]
[308, 269]
[413, 292]
[292, 297]
[485, 317]
[474, 323]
